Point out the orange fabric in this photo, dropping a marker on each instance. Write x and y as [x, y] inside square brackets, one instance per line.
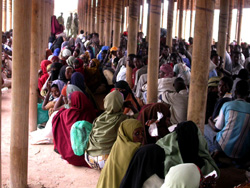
[64, 91]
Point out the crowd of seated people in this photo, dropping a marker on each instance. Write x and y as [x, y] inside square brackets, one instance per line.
[132, 142]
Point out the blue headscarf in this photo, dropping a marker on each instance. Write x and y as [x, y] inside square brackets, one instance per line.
[99, 57]
[77, 79]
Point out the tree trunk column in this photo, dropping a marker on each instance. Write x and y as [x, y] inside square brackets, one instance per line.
[229, 28]
[41, 38]
[181, 20]
[132, 35]
[241, 5]
[153, 53]
[10, 13]
[200, 64]
[108, 10]
[102, 26]
[4, 15]
[223, 23]
[34, 64]
[170, 23]
[89, 16]
[117, 22]
[191, 18]
[93, 11]
[0, 102]
[20, 84]
[147, 37]
[98, 16]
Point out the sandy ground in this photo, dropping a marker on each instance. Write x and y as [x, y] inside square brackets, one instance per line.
[48, 170]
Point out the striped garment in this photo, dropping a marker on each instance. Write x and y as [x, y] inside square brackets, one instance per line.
[234, 125]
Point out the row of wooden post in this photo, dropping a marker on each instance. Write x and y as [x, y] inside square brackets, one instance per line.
[32, 26]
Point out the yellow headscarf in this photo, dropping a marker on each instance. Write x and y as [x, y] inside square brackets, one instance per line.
[120, 156]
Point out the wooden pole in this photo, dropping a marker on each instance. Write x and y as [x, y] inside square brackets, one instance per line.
[180, 32]
[191, 18]
[10, 13]
[142, 20]
[98, 16]
[177, 17]
[132, 35]
[170, 23]
[185, 18]
[4, 21]
[102, 26]
[41, 25]
[200, 61]
[148, 20]
[153, 53]
[20, 84]
[89, 17]
[93, 11]
[0, 100]
[108, 10]
[123, 15]
[85, 16]
[34, 64]
[127, 13]
[162, 14]
[117, 22]
[223, 23]
[241, 5]
[79, 13]
[229, 28]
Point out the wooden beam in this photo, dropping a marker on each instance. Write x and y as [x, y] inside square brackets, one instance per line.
[4, 19]
[170, 23]
[229, 28]
[200, 61]
[180, 31]
[241, 5]
[10, 14]
[108, 17]
[117, 22]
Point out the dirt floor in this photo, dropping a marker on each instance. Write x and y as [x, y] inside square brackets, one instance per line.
[48, 170]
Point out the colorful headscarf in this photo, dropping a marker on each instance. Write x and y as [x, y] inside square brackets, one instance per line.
[168, 70]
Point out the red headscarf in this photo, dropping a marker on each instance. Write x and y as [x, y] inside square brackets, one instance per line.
[80, 69]
[82, 109]
[44, 65]
[45, 75]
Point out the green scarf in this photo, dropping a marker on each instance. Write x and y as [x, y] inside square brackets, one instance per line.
[104, 132]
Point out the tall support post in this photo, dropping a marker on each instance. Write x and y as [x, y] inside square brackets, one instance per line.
[185, 18]
[142, 20]
[132, 35]
[102, 26]
[223, 23]
[79, 12]
[123, 15]
[4, 19]
[108, 10]
[177, 16]
[148, 20]
[191, 18]
[48, 23]
[10, 13]
[34, 64]
[170, 23]
[98, 16]
[153, 54]
[20, 84]
[200, 61]
[181, 19]
[41, 26]
[229, 28]
[85, 2]
[93, 11]
[162, 14]
[0, 100]
[117, 22]
[89, 17]
[241, 5]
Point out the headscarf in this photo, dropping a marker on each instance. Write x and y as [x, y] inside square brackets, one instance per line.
[104, 132]
[183, 176]
[56, 71]
[57, 44]
[56, 52]
[77, 79]
[62, 76]
[55, 59]
[168, 70]
[213, 82]
[174, 157]
[60, 84]
[70, 61]
[56, 28]
[44, 65]
[147, 161]
[150, 112]
[99, 56]
[120, 156]
[124, 85]
[66, 53]
[64, 44]
[80, 69]
[81, 109]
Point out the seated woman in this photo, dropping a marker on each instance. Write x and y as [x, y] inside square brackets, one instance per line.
[185, 145]
[44, 75]
[80, 109]
[149, 114]
[129, 139]
[104, 132]
[128, 95]
[78, 66]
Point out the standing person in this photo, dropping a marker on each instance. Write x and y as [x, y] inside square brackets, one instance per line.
[68, 25]
[74, 26]
[61, 19]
